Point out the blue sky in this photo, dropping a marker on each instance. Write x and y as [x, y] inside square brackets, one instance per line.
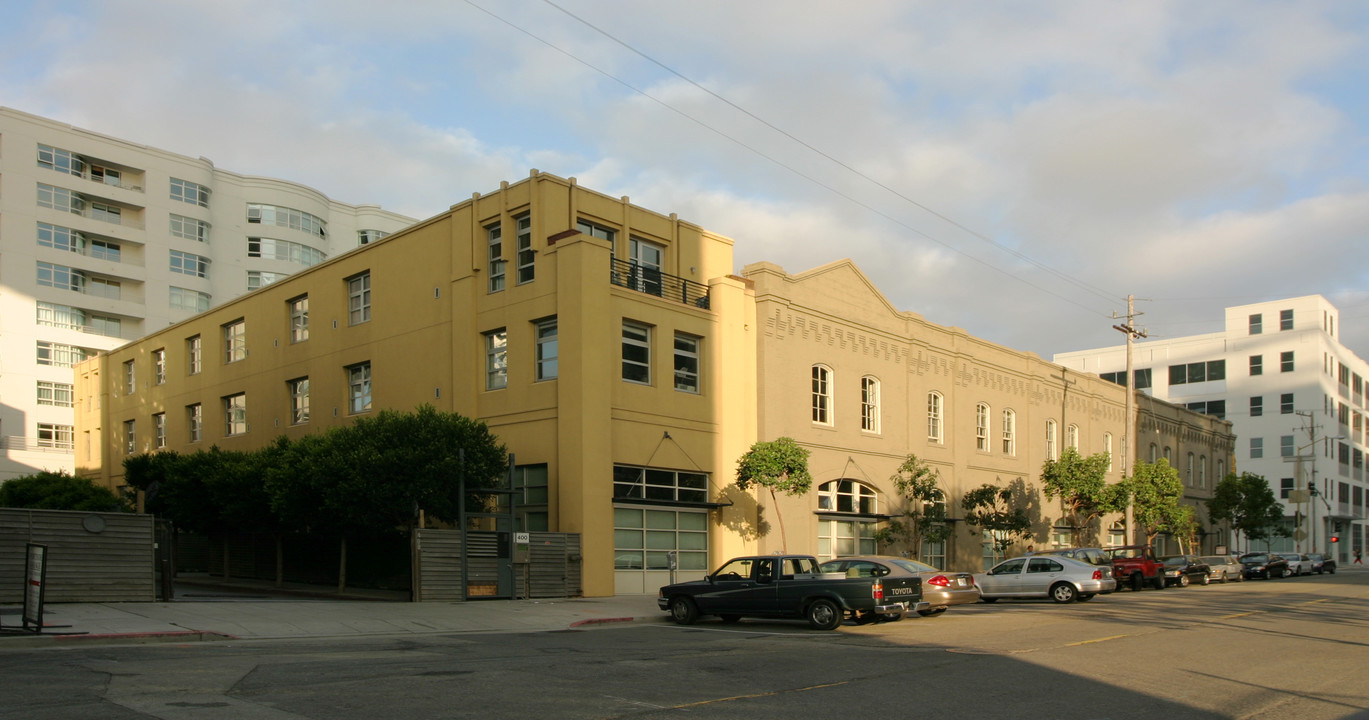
[1014, 169]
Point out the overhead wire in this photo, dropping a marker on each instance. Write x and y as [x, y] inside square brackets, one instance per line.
[846, 196]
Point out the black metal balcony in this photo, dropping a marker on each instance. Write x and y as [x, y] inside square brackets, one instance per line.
[654, 282]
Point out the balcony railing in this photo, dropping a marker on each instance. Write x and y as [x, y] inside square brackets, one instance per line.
[654, 282]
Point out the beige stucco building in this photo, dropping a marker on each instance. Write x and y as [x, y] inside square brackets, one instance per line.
[615, 353]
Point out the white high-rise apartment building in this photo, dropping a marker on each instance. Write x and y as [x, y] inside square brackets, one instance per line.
[1296, 399]
[103, 241]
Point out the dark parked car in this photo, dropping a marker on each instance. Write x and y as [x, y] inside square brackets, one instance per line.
[1322, 563]
[940, 589]
[1182, 570]
[1265, 565]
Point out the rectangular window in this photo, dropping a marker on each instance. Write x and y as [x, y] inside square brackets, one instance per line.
[1286, 447]
[189, 228]
[235, 414]
[935, 408]
[359, 388]
[61, 316]
[822, 395]
[159, 366]
[286, 250]
[61, 276]
[189, 300]
[299, 400]
[60, 199]
[106, 250]
[686, 363]
[61, 238]
[257, 279]
[1256, 324]
[636, 353]
[55, 436]
[1256, 364]
[1256, 406]
[1285, 319]
[494, 240]
[548, 349]
[530, 484]
[130, 377]
[869, 404]
[260, 214]
[981, 427]
[159, 430]
[130, 437]
[63, 161]
[234, 341]
[189, 192]
[496, 359]
[526, 255]
[194, 418]
[1286, 361]
[189, 264]
[1256, 448]
[1285, 487]
[594, 230]
[1009, 431]
[192, 355]
[60, 355]
[299, 318]
[1197, 372]
[103, 325]
[359, 298]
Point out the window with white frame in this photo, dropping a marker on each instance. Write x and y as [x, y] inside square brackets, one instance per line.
[235, 414]
[63, 161]
[61, 316]
[106, 250]
[1051, 453]
[869, 404]
[234, 341]
[298, 308]
[686, 363]
[365, 237]
[636, 352]
[822, 395]
[1188, 471]
[130, 377]
[187, 299]
[159, 366]
[55, 436]
[299, 400]
[1107, 449]
[1286, 444]
[189, 228]
[189, 264]
[936, 417]
[1072, 437]
[594, 230]
[104, 325]
[260, 278]
[646, 260]
[1202, 471]
[981, 427]
[1286, 361]
[359, 388]
[496, 359]
[60, 199]
[548, 349]
[280, 216]
[61, 355]
[270, 248]
[530, 485]
[1285, 319]
[844, 537]
[61, 238]
[494, 239]
[159, 430]
[61, 276]
[189, 192]
[359, 298]
[1009, 432]
[644, 538]
[130, 437]
[848, 496]
[194, 417]
[193, 355]
[526, 256]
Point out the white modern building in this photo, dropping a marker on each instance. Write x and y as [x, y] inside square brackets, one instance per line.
[1296, 399]
[105, 241]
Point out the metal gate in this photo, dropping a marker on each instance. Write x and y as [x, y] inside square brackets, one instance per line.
[552, 570]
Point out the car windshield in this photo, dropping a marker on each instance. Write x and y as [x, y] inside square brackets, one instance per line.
[1175, 561]
[913, 566]
[1260, 557]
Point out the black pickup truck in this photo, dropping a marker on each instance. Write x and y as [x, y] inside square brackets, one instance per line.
[790, 586]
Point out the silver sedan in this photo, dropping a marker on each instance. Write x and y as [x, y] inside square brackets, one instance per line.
[1224, 568]
[940, 589]
[1061, 579]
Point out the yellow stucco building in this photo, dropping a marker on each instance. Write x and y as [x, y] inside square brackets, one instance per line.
[626, 368]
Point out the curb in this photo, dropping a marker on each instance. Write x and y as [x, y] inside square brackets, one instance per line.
[601, 621]
[136, 638]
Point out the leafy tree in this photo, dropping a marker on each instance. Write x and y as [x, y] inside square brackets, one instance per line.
[1248, 503]
[49, 490]
[778, 464]
[1156, 490]
[990, 507]
[1081, 485]
[924, 512]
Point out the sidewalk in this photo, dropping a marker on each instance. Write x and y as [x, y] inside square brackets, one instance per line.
[215, 612]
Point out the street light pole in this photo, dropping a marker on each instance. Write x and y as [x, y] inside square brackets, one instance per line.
[1129, 382]
[1312, 491]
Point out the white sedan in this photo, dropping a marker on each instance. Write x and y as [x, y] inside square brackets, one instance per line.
[1298, 564]
[1061, 579]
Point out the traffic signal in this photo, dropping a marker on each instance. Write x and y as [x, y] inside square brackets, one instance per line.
[1335, 538]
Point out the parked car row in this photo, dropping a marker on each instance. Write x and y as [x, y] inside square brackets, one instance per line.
[1282, 565]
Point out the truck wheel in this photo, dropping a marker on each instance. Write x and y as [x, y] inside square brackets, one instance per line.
[1137, 582]
[1063, 593]
[683, 611]
[823, 614]
[1159, 582]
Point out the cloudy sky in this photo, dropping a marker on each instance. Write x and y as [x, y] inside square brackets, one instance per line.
[1012, 168]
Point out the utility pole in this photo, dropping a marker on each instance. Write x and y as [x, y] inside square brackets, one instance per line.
[1129, 329]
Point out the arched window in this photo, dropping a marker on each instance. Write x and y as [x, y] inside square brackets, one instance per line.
[1051, 453]
[822, 395]
[935, 417]
[1107, 448]
[981, 427]
[1169, 456]
[1202, 471]
[1072, 437]
[1154, 452]
[847, 521]
[1221, 469]
[1009, 432]
[869, 404]
[1188, 472]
